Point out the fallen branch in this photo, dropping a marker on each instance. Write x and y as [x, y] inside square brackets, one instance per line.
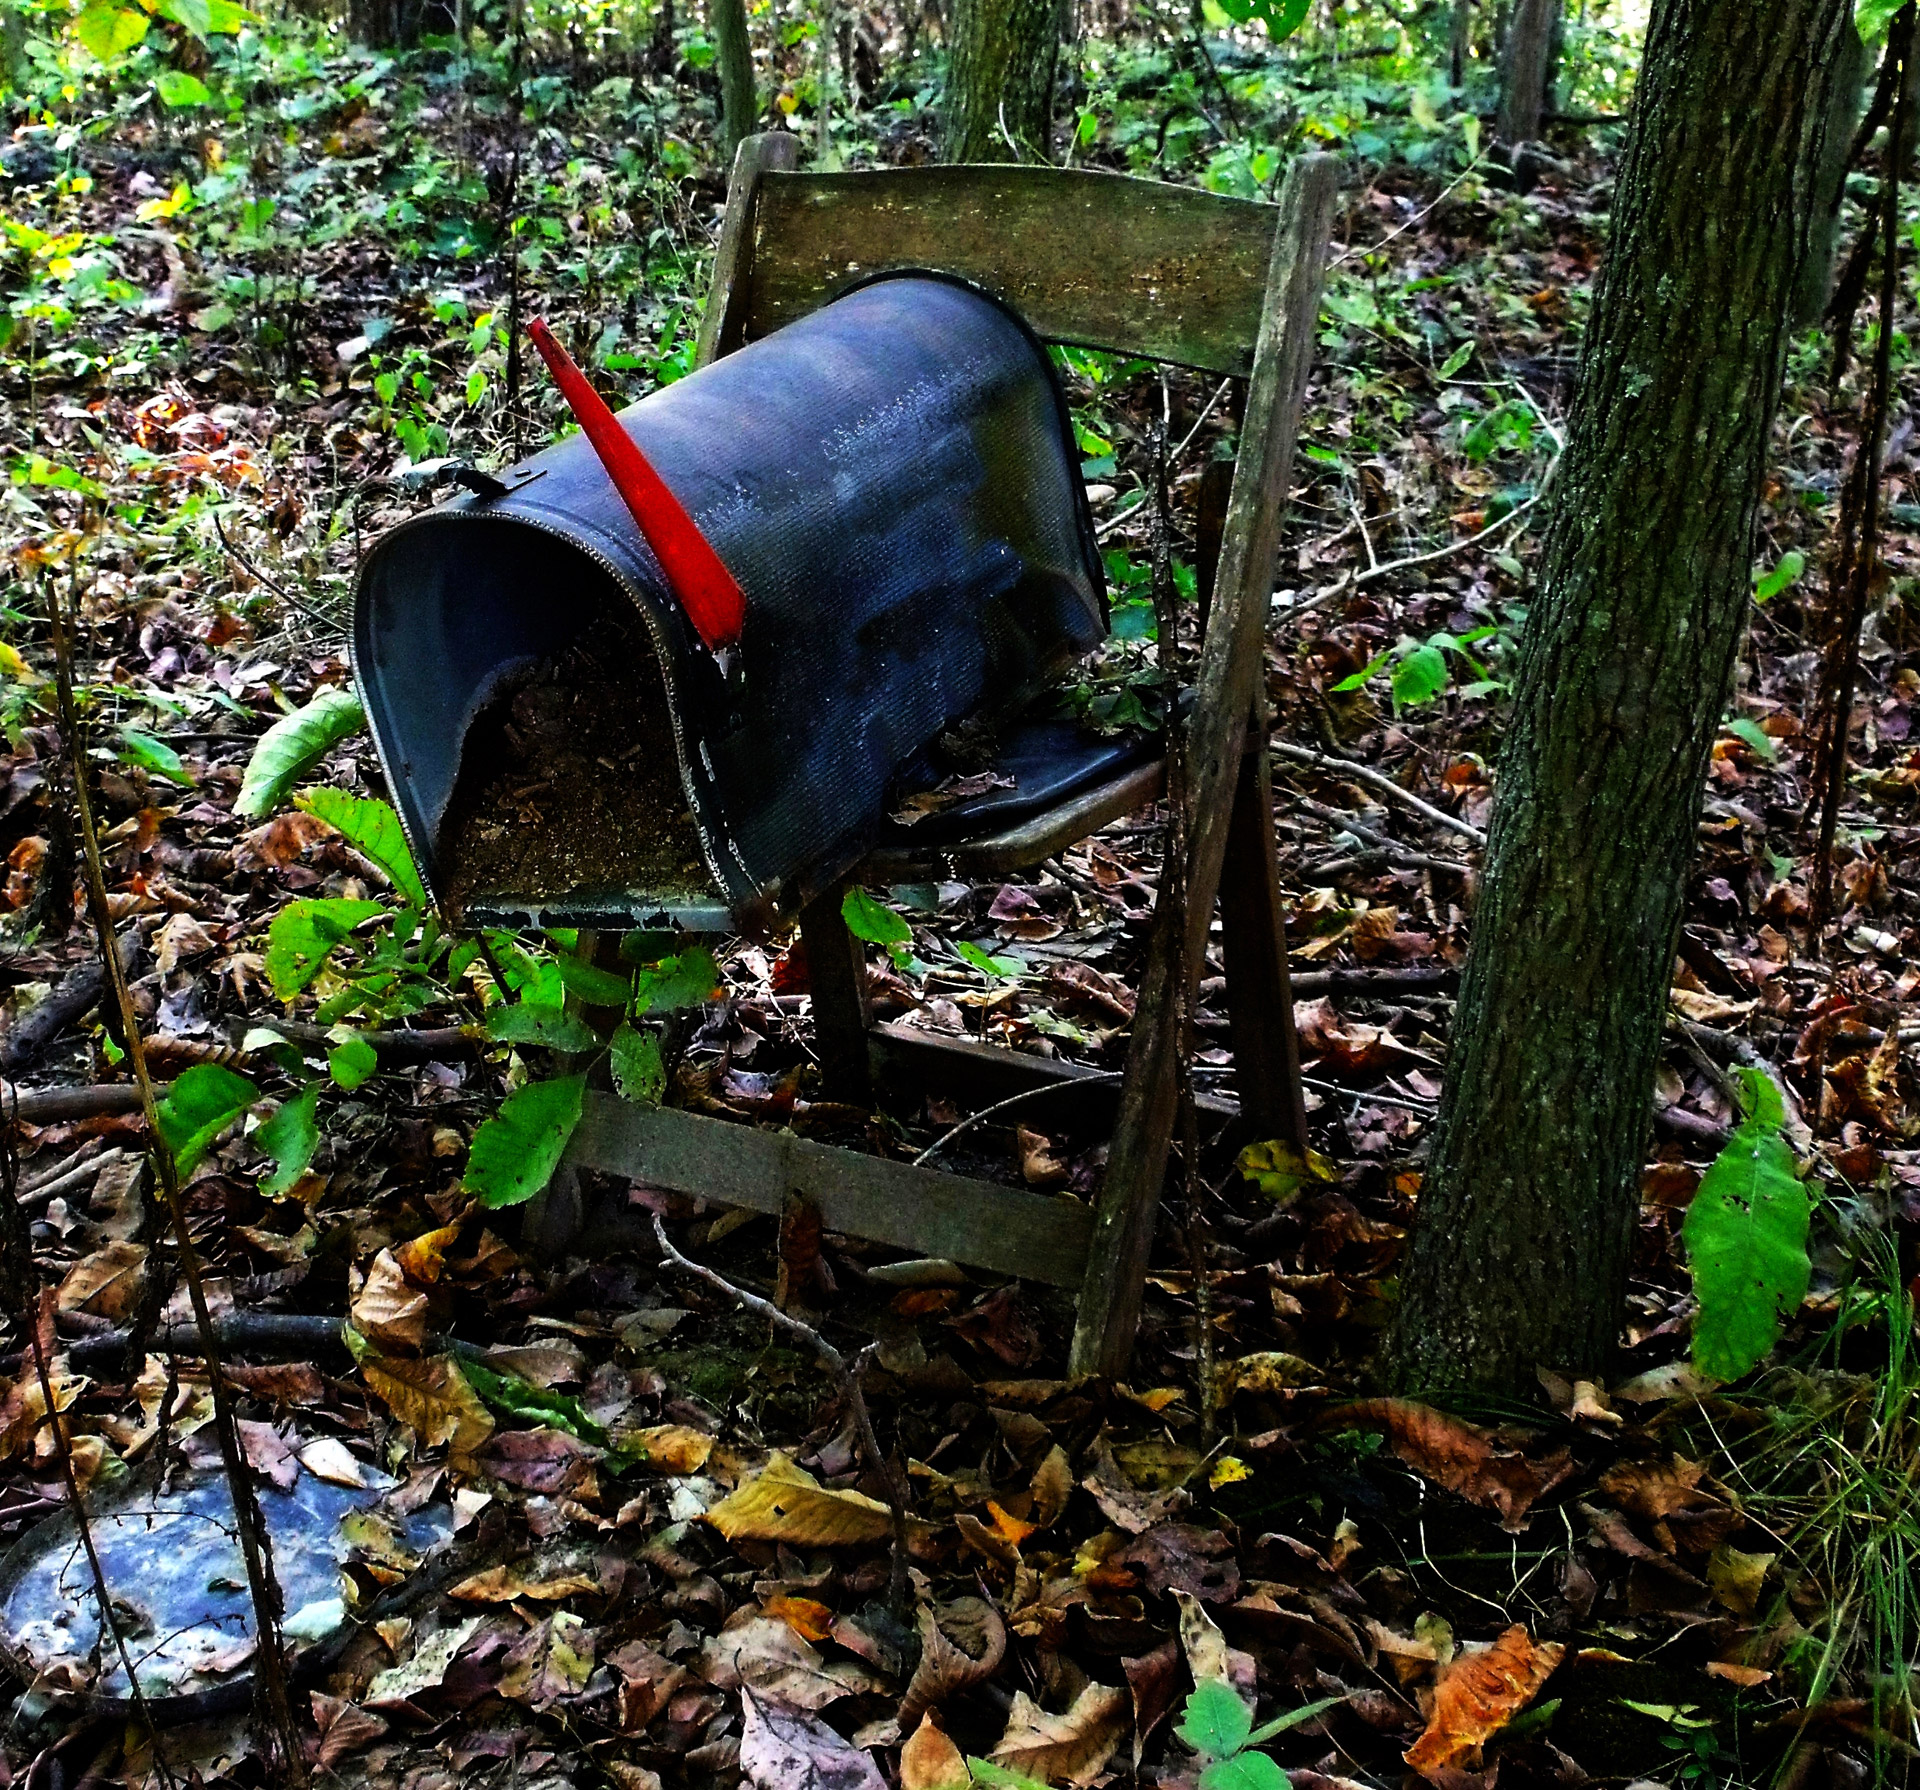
[46, 1106]
[1345, 767]
[77, 993]
[1391, 847]
[1373, 982]
[843, 1378]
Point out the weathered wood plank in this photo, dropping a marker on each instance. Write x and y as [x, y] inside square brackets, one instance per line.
[1230, 665]
[1104, 260]
[922, 1209]
[720, 321]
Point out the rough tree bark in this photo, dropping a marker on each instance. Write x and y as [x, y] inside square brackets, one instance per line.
[733, 52]
[1520, 1252]
[1001, 58]
[1526, 69]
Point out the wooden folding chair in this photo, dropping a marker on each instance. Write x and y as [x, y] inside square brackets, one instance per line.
[1223, 285]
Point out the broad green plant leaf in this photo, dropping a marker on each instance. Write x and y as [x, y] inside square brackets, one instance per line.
[292, 746]
[639, 1074]
[552, 1027]
[521, 1398]
[676, 982]
[199, 1106]
[515, 1153]
[178, 88]
[1751, 733]
[1871, 17]
[153, 755]
[1768, 585]
[351, 1062]
[1216, 1720]
[1419, 677]
[1244, 1771]
[1282, 18]
[1746, 1238]
[290, 1137]
[595, 986]
[872, 920]
[372, 828]
[108, 31]
[1007, 968]
[303, 936]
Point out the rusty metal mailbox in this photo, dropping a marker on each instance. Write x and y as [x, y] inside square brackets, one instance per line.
[892, 481]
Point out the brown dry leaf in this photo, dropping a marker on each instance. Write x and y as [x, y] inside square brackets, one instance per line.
[647, 1680]
[25, 1408]
[786, 1503]
[1269, 1372]
[432, 1397]
[961, 1644]
[106, 1283]
[764, 1654]
[1073, 1746]
[1208, 1655]
[1052, 1487]
[1458, 1456]
[181, 936]
[1125, 1505]
[268, 1453]
[552, 1661]
[1683, 1506]
[1478, 1696]
[344, 1728]
[668, 1447]
[784, 1749]
[930, 1761]
[1039, 1167]
[503, 1584]
[1153, 1679]
[388, 1310]
[1746, 1677]
[292, 1383]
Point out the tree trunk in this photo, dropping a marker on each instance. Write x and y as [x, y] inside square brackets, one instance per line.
[1001, 56]
[733, 52]
[1459, 41]
[1526, 68]
[398, 24]
[1519, 1255]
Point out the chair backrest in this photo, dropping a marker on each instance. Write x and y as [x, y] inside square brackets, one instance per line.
[1101, 260]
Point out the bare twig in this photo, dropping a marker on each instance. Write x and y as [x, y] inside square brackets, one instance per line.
[270, 1664]
[1401, 854]
[259, 575]
[844, 1379]
[1360, 773]
[999, 1106]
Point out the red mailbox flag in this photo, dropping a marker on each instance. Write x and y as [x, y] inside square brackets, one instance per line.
[706, 590]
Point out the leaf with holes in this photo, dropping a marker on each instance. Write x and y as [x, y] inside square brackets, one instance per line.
[676, 982]
[554, 1028]
[634, 1058]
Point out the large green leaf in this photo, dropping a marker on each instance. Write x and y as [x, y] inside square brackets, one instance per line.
[676, 982]
[872, 920]
[290, 1137]
[515, 1153]
[1243, 1771]
[595, 986]
[293, 745]
[108, 30]
[153, 755]
[1746, 1238]
[639, 1074]
[351, 1061]
[521, 1398]
[178, 88]
[303, 935]
[554, 1027]
[372, 828]
[199, 1107]
[1216, 1720]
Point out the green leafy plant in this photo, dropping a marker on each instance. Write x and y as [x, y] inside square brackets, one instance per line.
[1746, 1238]
[1786, 571]
[515, 1153]
[292, 746]
[1421, 669]
[877, 924]
[198, 1109]
[1217, 1723]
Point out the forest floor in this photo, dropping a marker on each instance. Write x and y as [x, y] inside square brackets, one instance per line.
[1678, 1582]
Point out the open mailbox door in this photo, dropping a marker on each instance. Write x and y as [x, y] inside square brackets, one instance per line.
[893, 482]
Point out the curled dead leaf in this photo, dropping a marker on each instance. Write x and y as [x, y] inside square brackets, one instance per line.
[1069, 1748]
[930, 1761]
[961, 1644]
[1685, 1508]
[1479, 1694]
[388, 1310]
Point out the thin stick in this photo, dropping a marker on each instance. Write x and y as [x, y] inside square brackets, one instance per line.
[1860, 564]
[843, 1378]
[1373, 779]
[270, 1669]
[27, 1295]
[1000, 1106]
[259, 576]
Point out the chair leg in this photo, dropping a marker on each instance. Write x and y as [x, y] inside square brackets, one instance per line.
[837, 975]
[1266, 1049]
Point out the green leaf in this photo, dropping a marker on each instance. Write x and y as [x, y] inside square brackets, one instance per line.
[1746, 1238]
[293, 745]
[521, 1398]
[1754, 735]
[199, 1106]
[872, 920]
[999, 1777]
[1361, 678]
[638, 1073]
[372, 828]
[1419, 677]
[515, 1153]
[553, 1027]
[303, 936]
[595, 986]
[1244, 1771]
[1769, 585]
[986, 964]
[108, 30]
[1871, 17]
[192, 15]
[351, 1061]
[1457, 359]
[178, 88]
[290, 1137]
[153, 755]
[676, 982]
[1216, 1720]
[1291, 1719]
[1282, 18]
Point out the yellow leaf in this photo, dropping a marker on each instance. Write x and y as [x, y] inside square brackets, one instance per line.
[431, 1396]
[930, 1761]
[424, 1260]
[808, 1618]
[786, 1503]
[668, 1447]
[503, 1584]
[1228, 1470]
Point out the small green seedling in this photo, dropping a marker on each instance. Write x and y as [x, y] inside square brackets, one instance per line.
[1218, 1724]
